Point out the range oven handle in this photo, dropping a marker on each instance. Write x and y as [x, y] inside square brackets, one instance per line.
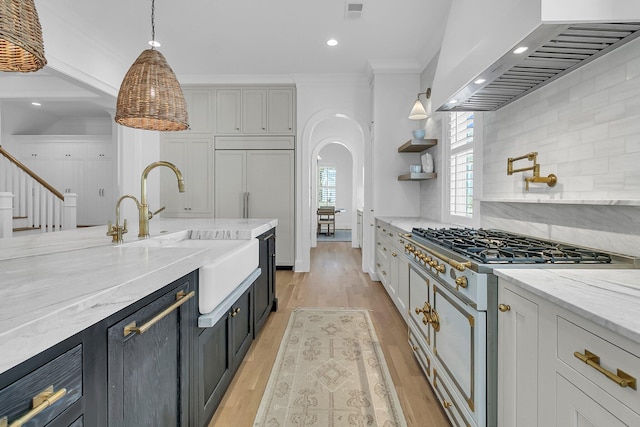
[460, 266]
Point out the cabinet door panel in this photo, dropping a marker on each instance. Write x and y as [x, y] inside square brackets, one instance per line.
[281, 111]
[254, 111]
[270, 183]
[242, 327]
[576, 409]
[199, 108]
[518, 367]
[261, 289]
[198, 177]
[230, 183]
[228, 111]
[172, 150]
[148, 372]
[216, 367]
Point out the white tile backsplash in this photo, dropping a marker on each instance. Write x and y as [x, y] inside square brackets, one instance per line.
[585, 127]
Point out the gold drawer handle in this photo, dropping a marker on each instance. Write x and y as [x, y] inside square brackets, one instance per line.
[393, 254]
[446, 405]
[40, 402]
[622, 379]
[181, 298]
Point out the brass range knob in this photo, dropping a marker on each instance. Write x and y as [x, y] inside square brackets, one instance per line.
[504, 307]
[461, 282]
[440, 268]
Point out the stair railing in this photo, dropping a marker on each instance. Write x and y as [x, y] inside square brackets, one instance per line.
[35, 199]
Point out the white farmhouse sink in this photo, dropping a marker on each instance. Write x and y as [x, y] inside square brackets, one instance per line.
[231, 261]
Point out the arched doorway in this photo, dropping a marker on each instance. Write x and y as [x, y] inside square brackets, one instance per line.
[323, 128]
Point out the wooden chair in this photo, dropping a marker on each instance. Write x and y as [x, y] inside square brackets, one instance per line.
[327, 216]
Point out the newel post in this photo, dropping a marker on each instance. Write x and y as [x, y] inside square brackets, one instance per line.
[6, 214]
[69, 214]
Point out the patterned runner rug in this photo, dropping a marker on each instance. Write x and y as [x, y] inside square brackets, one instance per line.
[330, 371]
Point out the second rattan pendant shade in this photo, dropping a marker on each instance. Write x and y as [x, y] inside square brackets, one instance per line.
[150, 96]
[21, 46]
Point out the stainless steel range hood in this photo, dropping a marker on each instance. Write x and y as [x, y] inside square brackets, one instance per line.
[553, 51]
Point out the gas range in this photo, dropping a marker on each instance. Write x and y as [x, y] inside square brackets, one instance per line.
[453, 298]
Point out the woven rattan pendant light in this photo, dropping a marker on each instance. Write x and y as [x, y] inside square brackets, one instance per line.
[150, 96]
[21, 47]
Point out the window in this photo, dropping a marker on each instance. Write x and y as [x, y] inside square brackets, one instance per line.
[461, 145]
[327, 186]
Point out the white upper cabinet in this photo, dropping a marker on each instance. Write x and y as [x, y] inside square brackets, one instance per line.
[199, 103]
[281, 108]
[228, 103]
[255, 111]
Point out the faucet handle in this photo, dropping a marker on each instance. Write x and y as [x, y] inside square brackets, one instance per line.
[151, 215]
[124, 226]
[109, 229]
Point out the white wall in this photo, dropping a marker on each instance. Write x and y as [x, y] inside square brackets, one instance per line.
[338, 155]
[585, 127]
[432, 191]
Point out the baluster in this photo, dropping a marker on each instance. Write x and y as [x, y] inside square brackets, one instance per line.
[49, 223]
[37, 206]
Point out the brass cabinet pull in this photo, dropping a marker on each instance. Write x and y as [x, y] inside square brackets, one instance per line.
[235, 312]
[446, 405]
[415, 348]
[622, 379]
[393, 254]
[181, 298]
[40, 402]
[435, 320]
[504, 307]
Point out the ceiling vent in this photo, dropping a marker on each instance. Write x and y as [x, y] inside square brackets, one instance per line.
[555, 51]
[353, 10]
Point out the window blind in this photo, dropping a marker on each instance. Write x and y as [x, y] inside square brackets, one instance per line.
[461, 163]
[327, 186]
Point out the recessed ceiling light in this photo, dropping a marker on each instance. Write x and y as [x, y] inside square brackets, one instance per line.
[453, 101]
[332, 42]
[520, 49]
[37, 104]
[154, 43]
[479, 81]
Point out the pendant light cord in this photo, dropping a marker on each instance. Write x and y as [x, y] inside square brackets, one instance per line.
[153, 19]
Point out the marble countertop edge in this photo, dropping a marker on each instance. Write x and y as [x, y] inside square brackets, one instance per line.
[609, 298]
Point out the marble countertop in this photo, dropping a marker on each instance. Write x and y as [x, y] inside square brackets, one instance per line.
[54, 285]
[608, 297]
[407, 223]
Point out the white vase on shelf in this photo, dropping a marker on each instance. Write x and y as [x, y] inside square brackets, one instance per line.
[427, 162]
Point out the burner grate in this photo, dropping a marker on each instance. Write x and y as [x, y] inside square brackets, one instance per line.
[501, 247]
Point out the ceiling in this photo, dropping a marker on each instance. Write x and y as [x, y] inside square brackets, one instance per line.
[205, 39]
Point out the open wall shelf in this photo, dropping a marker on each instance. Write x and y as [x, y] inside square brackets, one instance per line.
[417, 176]
[417, 145]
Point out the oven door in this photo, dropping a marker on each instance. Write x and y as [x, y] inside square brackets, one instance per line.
[419, 303]
[459, 345]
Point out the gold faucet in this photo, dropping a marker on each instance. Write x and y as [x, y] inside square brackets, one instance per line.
[116, 231]
[550, 180]
[145, 215]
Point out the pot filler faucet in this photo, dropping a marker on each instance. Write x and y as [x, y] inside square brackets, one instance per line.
[143, 208]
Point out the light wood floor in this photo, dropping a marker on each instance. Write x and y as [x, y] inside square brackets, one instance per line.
[335, 280]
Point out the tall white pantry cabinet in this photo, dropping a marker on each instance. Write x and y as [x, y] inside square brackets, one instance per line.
[238, 158]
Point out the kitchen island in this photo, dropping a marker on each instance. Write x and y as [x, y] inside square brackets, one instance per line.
[57, 286]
